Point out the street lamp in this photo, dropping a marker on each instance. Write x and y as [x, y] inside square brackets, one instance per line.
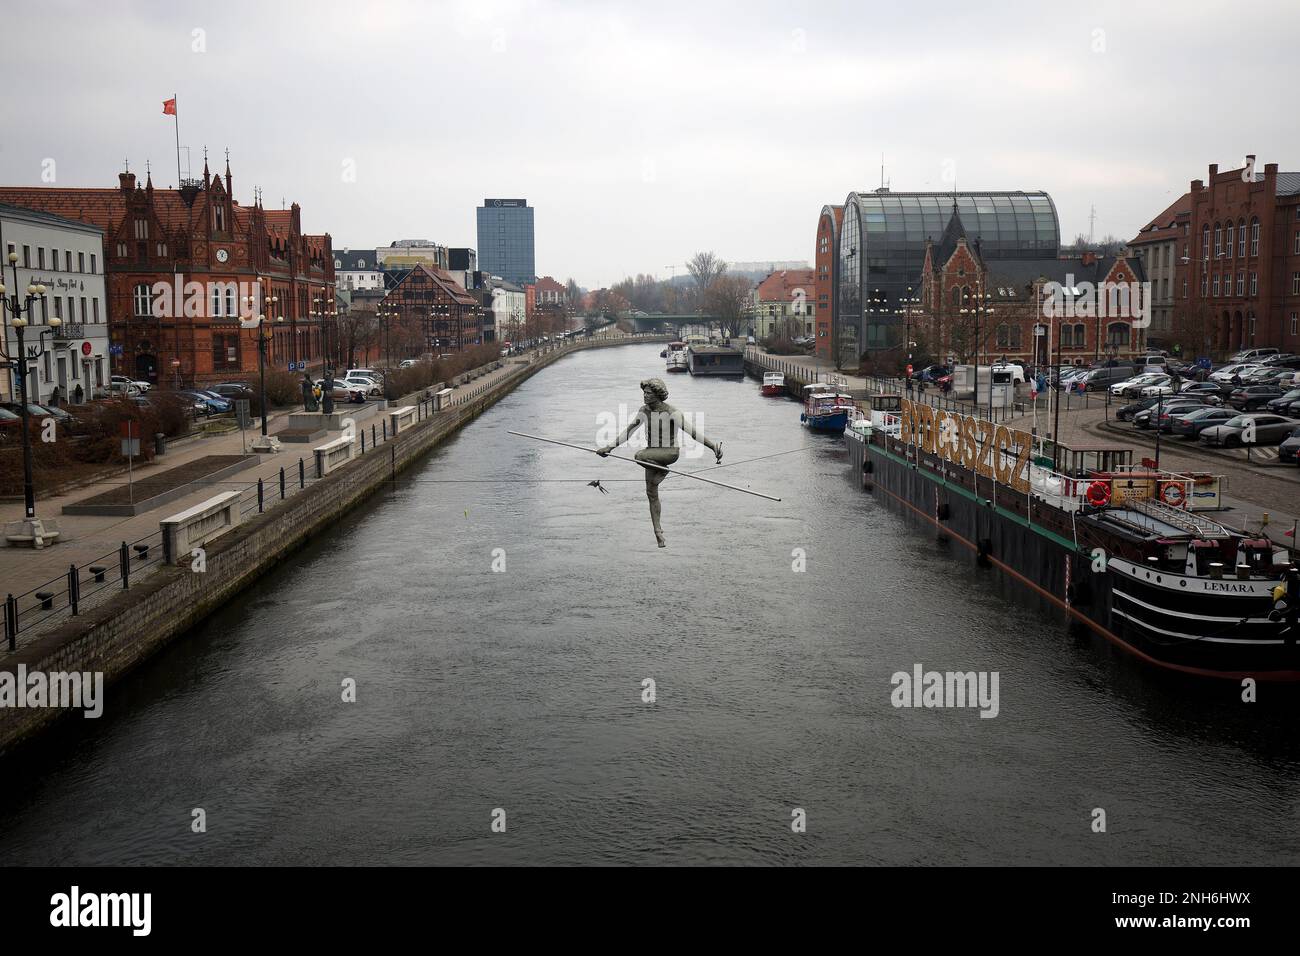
[265, 444]
[31, 530]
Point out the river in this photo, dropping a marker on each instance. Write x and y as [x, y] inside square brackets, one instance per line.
[522, 689]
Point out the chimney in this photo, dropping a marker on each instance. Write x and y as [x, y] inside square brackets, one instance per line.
[1197, 185]
[1270, 172]
[127, 182]
[1214, 171]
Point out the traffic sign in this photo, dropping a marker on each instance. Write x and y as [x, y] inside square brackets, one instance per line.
[85, 348]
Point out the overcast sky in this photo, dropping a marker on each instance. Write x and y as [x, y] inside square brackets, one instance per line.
[645, 131]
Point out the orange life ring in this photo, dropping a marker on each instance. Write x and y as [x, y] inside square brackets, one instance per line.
[1098, 494]
[1172, 494]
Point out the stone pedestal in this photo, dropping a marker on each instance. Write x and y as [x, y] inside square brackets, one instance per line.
[32, 532]
[266, 445]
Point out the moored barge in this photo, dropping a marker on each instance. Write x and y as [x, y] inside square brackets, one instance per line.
[1121, 548]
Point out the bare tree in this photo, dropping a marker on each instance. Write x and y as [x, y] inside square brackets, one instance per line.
[704, 268]
[727, 298]
[573, 293]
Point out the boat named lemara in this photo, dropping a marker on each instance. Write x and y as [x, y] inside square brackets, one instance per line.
[825, 409]
[678, 361]
[1125, 549]
[773, 383]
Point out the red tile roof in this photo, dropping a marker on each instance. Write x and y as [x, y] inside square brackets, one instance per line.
[781, 286]
[1166, 225]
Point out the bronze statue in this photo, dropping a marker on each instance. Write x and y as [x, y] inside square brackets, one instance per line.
[662, 422]
[327, 393]
[308, 394]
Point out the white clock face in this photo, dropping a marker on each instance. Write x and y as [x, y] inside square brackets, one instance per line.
[222, 255]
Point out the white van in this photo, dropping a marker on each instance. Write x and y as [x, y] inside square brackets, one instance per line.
[1252, 355]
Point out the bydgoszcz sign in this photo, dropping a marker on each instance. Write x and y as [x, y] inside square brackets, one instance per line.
[991, 450]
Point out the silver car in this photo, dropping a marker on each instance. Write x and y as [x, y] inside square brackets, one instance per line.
[1267, 429]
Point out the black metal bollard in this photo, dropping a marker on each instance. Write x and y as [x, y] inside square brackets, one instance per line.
[11, 622]
[282, 483]
[74, 588]
[373, 439]
[124, 566]
[385, 424]
[259, 496]
[302, 473]
[363, 441]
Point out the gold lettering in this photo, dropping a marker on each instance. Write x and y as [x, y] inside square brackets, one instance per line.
[1000, 467]
[1020, 476]
[985, 449]
[968, 452]
[905, 422]
[927, 422]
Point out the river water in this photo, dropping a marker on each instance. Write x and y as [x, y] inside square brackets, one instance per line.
[521, 690]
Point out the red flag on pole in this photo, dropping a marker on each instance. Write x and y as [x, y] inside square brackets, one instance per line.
[169, 107]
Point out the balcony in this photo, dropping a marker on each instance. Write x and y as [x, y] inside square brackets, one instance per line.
[70, 330]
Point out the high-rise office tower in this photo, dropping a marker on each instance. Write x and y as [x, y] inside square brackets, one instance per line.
[505, 240]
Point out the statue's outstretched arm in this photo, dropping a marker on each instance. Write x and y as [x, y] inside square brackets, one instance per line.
[715, 447]
[624, 436]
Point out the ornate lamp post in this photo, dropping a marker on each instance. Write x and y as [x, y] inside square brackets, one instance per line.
[31, 530]
[266, 444]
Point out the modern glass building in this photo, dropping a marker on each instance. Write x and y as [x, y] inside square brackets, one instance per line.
[882, 249]
[505, 240]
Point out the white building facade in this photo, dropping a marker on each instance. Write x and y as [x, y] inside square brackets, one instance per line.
[358, 269]
[66, 257]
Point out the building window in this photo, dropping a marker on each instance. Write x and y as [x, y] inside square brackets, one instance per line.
[1205, 241]
[1295, 318]
[1117, 334]
[93, 265]
[27, 257]
[1251, 320]
[1080, 335]
[81, 262]
[1241, 240]
[1004, 336]
[1218, 240]
[142, 308]
[94, 310]
[1216, 285]
[1254, 283]
[1241, 283]
[142, 228]
[1254, 236]
[1184, 287]
[1295, 246]
[1205, 284]
[1295, 283]
[58, 309]
[40, 257]
[83, 310]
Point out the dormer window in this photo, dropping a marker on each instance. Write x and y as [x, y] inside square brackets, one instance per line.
[142, 228]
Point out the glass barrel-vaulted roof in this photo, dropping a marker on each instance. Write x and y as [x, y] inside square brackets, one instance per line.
[1017, 225]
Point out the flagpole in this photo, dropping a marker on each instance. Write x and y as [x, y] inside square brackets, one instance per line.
[176, 117]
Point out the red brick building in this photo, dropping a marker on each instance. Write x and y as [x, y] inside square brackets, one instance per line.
[221, 252]
[1238, 282]
[828, 231]
[547, 290]
[433, 312]
[996, 308]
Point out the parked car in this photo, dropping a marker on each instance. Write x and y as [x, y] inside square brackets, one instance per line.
[1248, 355]
[1134, 386]
[367, 385]
[1146, 417]
[1106, 376]
[345, 391]
[1237, 370]
[1164, 413]
[1191, 422]
[234, 391]
[931, 373]
[1212, 391]
[1161, 386]
[1125, 413]
[1268, 429]
[213, 404]
[1250, 398]
[1289, 450]
[1288, 403]
[119, 382]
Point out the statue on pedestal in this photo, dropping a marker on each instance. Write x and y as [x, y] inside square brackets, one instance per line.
[308, 394]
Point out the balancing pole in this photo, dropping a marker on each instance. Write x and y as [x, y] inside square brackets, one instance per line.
[646, 464]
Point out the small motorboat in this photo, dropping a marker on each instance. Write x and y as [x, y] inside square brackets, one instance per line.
[773, 383]
[825, 409]
[679, 359]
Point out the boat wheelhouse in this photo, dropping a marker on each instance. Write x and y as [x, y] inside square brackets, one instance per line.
[773, 383]
[825, 409]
